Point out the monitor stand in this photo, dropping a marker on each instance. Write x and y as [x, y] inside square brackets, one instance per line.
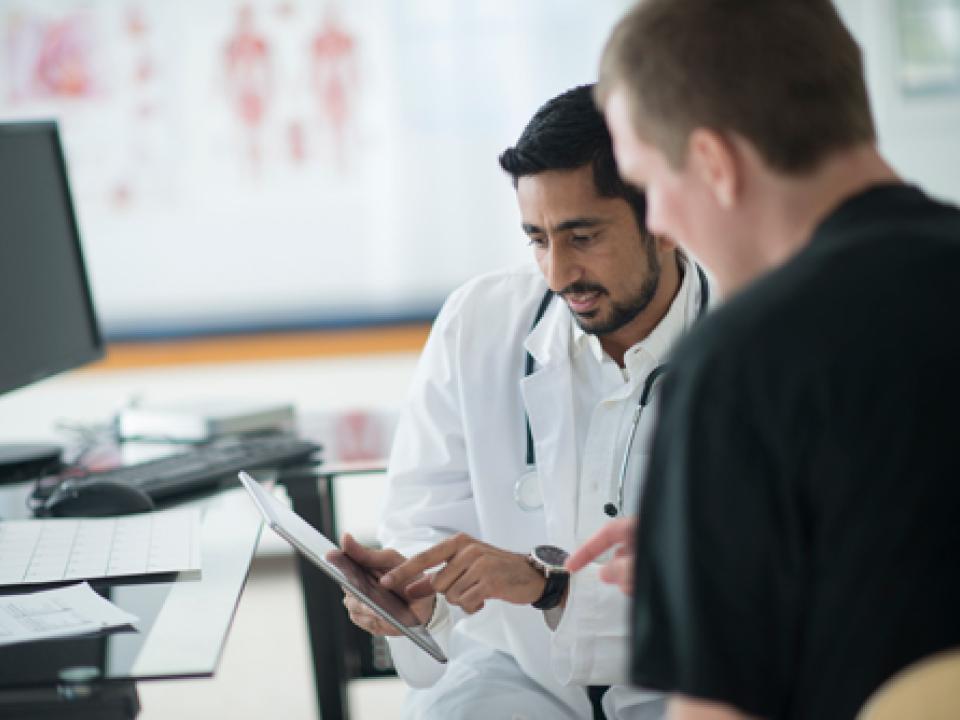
[28, 461]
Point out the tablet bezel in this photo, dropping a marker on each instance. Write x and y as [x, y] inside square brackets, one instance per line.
[276, 514]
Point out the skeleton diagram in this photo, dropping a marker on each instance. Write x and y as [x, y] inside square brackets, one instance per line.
[247, 63]
[334, 79]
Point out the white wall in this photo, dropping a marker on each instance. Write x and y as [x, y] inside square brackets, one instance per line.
[919, 132]
[193, 216]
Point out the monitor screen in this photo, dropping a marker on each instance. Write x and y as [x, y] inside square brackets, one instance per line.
[47, 320]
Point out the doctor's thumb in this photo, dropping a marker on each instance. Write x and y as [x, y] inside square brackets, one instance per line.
[350, 546]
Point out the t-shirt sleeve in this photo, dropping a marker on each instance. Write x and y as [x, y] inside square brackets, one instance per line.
[717, 582]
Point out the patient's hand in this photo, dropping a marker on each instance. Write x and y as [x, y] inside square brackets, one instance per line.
[618, 571]
[379, 562]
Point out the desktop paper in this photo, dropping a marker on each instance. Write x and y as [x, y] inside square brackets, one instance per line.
[57, 549]
[63, 612]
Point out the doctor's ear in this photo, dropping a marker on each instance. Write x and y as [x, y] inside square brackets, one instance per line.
[713, 158]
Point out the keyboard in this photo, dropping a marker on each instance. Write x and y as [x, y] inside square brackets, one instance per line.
[207, 465]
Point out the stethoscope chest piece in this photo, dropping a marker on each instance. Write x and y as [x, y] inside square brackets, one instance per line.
[527, 492]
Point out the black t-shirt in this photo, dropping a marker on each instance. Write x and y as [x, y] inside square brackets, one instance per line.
[799, 537]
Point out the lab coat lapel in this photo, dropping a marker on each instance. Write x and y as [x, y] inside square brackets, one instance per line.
[548, 398]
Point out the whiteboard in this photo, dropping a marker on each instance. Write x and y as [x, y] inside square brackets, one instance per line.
[289, 162]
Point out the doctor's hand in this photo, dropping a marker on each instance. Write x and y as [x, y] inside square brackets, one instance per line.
[620, 534]
[473, 572]
[379, 562]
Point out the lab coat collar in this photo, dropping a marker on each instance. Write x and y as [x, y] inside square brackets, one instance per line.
[682, 313]
[549, 341]
[548, 402]
[549, 406]
[583, 341]
[678, 318]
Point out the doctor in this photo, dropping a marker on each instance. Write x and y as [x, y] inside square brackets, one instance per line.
[525, 428]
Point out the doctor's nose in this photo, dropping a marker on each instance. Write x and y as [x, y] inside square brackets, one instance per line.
[559, 268]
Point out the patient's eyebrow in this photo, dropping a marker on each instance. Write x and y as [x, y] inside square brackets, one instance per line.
[577, 223]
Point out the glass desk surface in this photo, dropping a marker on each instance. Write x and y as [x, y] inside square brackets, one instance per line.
[184, 618]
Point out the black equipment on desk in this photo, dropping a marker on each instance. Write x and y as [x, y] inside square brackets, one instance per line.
[47, 320]
[199, 468]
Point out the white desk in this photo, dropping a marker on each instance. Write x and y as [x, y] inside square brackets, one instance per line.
[376, 382]
[373, 383]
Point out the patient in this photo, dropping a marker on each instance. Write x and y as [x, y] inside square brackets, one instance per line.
[798, 538]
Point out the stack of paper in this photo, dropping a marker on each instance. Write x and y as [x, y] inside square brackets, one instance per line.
[202, 419]
[63, 612]
[55, 549]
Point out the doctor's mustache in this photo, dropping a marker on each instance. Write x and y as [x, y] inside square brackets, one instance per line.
[582, 287]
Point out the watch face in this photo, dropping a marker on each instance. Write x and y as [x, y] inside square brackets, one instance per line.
[550, 555]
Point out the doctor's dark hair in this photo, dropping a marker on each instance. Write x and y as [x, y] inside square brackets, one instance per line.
[567, 133]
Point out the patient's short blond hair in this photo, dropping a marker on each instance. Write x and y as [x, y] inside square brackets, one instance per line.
[784, 74]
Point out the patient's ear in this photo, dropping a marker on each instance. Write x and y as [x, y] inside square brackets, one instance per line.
[663, 243]
[713, 158]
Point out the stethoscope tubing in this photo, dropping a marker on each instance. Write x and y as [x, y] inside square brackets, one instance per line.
[609, 508]
[528, 371]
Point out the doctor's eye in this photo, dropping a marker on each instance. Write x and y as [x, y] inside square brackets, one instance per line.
[537, 242]
[583, 239]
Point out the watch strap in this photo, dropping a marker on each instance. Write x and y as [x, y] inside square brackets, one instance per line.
[553, 591]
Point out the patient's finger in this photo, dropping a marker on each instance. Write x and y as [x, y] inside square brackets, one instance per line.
[616, 532]
[619, 572]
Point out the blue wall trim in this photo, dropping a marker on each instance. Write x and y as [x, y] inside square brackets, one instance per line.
[161, 331]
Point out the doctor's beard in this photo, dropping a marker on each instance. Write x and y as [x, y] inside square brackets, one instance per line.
[623, 312]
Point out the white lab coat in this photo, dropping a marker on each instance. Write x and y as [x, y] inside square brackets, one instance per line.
[459, 449]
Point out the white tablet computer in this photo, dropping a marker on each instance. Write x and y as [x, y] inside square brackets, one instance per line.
[352, 577]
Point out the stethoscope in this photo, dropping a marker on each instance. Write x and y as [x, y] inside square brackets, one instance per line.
[527, 491]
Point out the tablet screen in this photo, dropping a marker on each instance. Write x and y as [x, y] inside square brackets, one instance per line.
[351, 576]
[363, 580]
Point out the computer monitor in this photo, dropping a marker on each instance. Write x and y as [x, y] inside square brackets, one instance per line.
[47, 319]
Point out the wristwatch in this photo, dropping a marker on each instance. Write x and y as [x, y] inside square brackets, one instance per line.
[548, 560]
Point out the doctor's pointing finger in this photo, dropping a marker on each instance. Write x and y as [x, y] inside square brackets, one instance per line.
[472, 573]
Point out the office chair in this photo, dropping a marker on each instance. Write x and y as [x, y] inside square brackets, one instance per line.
[927, 690]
